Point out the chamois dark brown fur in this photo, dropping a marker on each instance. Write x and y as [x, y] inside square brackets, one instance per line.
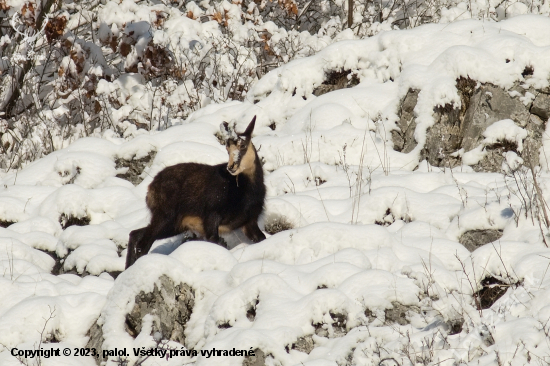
[205, 199]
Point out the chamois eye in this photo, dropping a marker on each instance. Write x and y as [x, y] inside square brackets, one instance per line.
[242, 147]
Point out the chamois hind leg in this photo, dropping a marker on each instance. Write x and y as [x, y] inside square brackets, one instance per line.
[142, 239]
[253, 232]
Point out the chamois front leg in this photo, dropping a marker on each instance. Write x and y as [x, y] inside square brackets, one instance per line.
[211, 233]
[133, 252]
[253, 232]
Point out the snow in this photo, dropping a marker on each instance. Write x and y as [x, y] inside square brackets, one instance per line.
[371, 228]
[505, 130]
[429, 58]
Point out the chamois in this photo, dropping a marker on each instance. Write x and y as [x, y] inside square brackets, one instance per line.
[205, 199]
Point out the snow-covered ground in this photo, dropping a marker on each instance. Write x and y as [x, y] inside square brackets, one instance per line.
[373, 228]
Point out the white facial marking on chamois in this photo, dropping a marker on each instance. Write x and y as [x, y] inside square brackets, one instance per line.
[233, 152]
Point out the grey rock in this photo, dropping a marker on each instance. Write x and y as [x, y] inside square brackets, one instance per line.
[462, 128]
[488, 105]
[257, 360]
[404, 139]
[541, 106]
[170, 305]
[397, 314]
[335, 329]
[304, 344]
[446, 136]
[443, 138]
[474, 239]
[493, 159]
[96, 340]
[135, 167]
[400, 313]
[535, 128]
[336, 80]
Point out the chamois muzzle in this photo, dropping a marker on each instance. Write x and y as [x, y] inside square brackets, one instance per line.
[232, 168]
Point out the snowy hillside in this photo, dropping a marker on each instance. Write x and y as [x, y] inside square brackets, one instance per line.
[377, 256]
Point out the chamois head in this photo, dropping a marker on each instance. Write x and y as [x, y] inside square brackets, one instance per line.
[240, 149]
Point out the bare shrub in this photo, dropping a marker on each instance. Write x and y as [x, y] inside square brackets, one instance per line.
[277, 224]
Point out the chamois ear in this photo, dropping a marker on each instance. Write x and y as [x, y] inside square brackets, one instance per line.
[224, 127]
[250, 128]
